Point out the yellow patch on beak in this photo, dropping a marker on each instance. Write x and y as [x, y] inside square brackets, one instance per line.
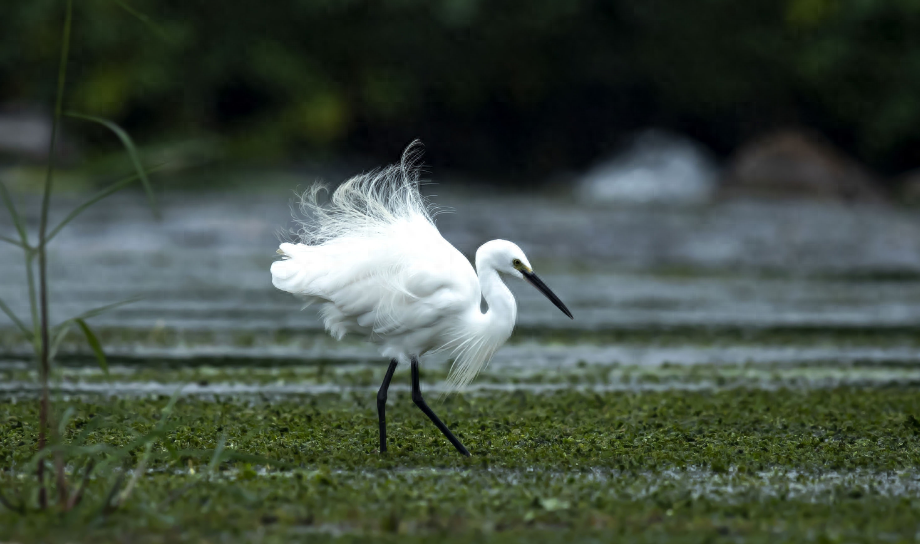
[523, 268]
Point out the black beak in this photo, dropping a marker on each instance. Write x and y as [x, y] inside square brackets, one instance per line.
[538, 283]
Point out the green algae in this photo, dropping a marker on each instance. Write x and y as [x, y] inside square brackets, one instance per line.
[842, 428]
[691, 466]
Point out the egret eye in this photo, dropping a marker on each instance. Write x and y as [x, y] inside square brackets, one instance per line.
[516, 263]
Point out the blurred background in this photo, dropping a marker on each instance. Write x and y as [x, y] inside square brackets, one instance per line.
[724, 192]
[668, 165]
[509, 95]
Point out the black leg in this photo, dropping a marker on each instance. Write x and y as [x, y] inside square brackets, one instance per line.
[382, 404]
[420, 402]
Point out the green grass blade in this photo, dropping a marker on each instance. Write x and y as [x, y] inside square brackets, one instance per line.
[42, 340]
[71, 451]
[215, 460]
[33, 299]
[78, 494]
[65, 420]
[130, 148]
[160, 430]
[102, 309]
[149, 439]
[63, 328]
[167, 410]
[6, 503]
[59, 336]
[87, 429]
[108, 191]
[14, 215]
[147, 21]
[19, 324]
[138, 471]
[16, 243]
[95, 345]
[107, 507]
[213, 467]
[113, 455]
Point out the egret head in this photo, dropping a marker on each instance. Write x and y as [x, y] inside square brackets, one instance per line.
[506, 257]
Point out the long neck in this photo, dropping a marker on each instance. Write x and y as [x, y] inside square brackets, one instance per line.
[502, 311]
[479, 335]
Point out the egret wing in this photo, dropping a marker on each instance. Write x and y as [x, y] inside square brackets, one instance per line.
[380, 286]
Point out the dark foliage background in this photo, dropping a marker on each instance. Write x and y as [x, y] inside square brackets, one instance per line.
[501, 88]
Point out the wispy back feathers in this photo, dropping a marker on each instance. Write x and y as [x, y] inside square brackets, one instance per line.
[367, 205]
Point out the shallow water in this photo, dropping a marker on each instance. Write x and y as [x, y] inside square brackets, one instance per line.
[512, 357]
[210, 383]
[203, 273]
[205, 265]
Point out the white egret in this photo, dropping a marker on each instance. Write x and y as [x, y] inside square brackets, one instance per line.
[373, 260]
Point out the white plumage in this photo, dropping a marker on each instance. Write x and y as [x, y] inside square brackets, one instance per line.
[372, 258]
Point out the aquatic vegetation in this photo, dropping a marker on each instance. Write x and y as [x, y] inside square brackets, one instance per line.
[44, 337]
[741, 462]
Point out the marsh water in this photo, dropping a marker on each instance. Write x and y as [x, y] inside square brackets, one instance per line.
[783, 284]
